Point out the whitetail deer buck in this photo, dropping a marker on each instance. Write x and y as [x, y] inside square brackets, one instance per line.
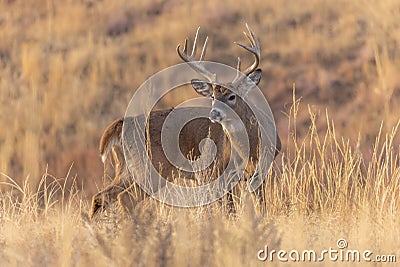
[193, 132]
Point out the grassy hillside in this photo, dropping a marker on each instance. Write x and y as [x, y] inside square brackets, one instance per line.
[69, 68]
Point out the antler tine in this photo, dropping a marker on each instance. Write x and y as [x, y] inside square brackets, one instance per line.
[203, 52]
[238, 64]
[253, 39]
[185, 46]
[237, 70]
[198, 66]
[254, 49]
[194, 49]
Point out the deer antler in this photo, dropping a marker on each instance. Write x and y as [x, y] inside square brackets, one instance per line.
[198, 66]
[254, 49]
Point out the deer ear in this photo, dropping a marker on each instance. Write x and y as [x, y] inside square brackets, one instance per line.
[255, 76]
[202, 87]
[250, 81]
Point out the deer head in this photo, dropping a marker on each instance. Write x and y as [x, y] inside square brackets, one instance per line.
[226, 94]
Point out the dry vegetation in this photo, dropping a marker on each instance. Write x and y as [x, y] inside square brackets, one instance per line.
[68, 68]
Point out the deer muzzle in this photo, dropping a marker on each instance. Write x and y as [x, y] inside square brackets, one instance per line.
[216, 115]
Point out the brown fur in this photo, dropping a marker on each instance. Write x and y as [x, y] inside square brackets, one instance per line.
[190, 137]
[191, 134]
[111, 135]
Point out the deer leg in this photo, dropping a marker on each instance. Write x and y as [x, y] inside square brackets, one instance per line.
[259, 193]
[129, 198]
[260, 199]
[230, 204]
[109, 195]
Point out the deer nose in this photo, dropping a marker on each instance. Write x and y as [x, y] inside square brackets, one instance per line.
[215, 115]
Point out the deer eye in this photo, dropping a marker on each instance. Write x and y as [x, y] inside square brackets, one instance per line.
[232, 97]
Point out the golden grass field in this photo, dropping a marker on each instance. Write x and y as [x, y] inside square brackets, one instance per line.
[330, 73]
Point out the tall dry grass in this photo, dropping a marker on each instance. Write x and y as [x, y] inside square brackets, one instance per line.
[323, 190]
[69, 68]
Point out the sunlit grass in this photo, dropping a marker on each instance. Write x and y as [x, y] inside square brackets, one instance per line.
[64, 77]
[323, 190]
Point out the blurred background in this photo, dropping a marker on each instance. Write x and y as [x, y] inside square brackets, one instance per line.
[69, 68]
